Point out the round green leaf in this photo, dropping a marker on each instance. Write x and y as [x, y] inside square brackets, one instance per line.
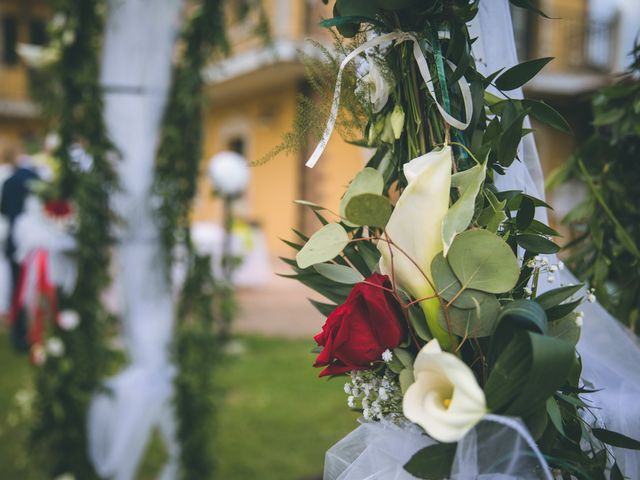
[339, 273]
[476, 322]
[448, 286]
[483, 261]
[368, 209]
[324, 245]
[368, 180]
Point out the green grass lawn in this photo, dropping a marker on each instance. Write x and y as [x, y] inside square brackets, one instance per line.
[277, 421]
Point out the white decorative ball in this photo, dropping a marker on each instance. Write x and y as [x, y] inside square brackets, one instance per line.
[68, 319]
[55, 347]
[229, 173]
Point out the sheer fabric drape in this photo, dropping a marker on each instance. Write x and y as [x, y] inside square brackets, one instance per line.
[136, 73]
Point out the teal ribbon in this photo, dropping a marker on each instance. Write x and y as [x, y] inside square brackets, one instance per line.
[442, 79]
[444, 87]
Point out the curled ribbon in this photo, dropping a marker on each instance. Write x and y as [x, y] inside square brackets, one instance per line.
[398, 37]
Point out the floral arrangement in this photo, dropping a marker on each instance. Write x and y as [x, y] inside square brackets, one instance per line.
[433, 274]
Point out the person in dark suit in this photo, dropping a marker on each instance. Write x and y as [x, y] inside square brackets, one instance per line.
[14, 194]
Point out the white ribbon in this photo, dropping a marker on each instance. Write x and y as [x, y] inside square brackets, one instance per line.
[398, 37]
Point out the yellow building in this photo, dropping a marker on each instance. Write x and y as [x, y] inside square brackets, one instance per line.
[253, 98]
[21, 21]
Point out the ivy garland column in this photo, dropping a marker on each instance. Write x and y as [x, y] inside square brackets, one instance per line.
[203, 304]
[72, 100]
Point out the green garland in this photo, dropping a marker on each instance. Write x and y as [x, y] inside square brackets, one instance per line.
[180, 150]
[605, 251]
[73, 101]
[198, 342]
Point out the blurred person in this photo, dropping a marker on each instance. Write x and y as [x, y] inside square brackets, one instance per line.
[6, 169]
[15, 191]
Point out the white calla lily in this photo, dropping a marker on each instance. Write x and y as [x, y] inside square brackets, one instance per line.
[445, 398]
[415, 227]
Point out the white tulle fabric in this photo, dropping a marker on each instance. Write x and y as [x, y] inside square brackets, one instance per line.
[610, 354]
[136, 69]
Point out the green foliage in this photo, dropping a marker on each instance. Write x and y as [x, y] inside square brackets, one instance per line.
[483, 261]
[368, 209]
[72, 100]
[197, 354]
[324, 245]
[518, 75]
[180, 150]
[459, 216]
[606, 224]
[433, 462]
[520, 347]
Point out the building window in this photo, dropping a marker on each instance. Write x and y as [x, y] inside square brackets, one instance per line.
[9, 40]
[238, 145]
[38, 32]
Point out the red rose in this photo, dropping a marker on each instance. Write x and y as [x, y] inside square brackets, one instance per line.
[358, 331]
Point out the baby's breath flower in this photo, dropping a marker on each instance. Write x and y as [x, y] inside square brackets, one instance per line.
[382, 394]
[387, 356]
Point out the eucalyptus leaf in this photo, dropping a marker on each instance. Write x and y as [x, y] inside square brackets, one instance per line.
[448, 286]
[368, 209]
[475, 322]
[483, 261]
[339, 273]
[324, 245]
[368, 180]
[460, 213]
